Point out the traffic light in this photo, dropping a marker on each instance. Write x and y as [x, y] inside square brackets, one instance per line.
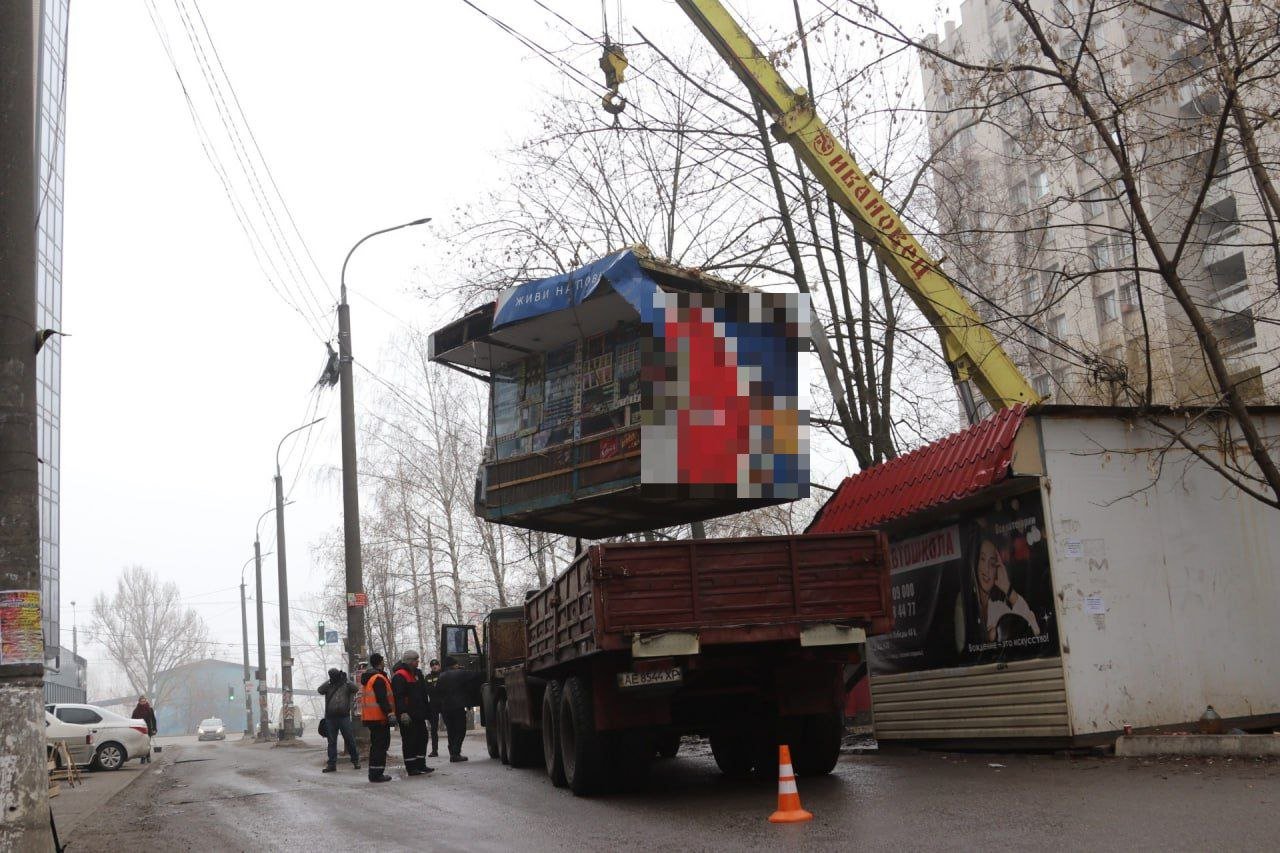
[321, 629]
[231, 693]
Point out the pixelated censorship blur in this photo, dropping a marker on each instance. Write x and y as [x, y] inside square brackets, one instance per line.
[724, 411]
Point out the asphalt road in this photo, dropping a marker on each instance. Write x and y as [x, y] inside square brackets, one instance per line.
[232, 796]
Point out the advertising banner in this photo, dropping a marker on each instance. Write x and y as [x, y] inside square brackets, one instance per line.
[977, 591]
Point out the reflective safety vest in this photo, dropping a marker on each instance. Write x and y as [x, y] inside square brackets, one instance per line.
[370, 710]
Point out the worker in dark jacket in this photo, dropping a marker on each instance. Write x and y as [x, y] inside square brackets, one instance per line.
[410, 689]
[339, 694]
[433, 707]
[378, 711]
[143, 711]
[453, 689]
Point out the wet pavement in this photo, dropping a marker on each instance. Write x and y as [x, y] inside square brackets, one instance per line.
[233, 796]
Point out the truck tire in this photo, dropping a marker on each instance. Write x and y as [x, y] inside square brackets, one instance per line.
[818, 749]
[489, 713]
[503, 746]
[734, 754]
[668, 745]
[524, 746]
[551, 758]
[581, 746]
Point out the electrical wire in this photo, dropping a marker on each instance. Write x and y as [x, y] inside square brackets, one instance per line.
[257, 245]
[247, 165]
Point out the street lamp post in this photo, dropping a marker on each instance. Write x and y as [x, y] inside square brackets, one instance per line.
[286, 655]
[264, 722]
[350, 485]
[244, 641]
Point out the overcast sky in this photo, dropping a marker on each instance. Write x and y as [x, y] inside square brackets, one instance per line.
[184, 367]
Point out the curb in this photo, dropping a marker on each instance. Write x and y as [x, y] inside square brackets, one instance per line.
[1247, 746]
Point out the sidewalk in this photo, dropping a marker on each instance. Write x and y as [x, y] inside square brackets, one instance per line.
[74, 804]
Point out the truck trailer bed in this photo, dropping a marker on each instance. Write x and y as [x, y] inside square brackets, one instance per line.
[636, 595]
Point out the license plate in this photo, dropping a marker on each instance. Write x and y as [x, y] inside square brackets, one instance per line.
[651, 678]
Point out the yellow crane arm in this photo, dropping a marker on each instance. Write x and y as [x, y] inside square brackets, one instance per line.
[968, 345]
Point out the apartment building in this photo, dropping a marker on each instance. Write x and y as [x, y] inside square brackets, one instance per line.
[1032, 217]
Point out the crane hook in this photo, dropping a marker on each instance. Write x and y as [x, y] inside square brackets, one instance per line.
[613, 62]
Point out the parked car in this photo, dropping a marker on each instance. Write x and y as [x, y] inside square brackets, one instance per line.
[79, 741]
[211, 729]
[116, 738]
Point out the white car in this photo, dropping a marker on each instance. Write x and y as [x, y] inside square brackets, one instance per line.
[79, 741]
[116, 738]
[211, 729]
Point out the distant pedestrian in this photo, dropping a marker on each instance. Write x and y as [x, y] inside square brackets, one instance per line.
[378, 710]
[339, 694]
[455, 689]
[410, 689]
[143, 711]
[433, 708]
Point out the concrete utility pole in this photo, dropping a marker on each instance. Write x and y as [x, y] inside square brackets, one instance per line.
[244, 643]
[356, 651]
[287, 731]
[264, 719]
[24, 782]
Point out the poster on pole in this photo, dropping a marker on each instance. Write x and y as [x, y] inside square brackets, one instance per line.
[21, 640]
[972, 592]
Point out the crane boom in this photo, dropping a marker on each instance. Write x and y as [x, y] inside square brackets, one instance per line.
[970, 348]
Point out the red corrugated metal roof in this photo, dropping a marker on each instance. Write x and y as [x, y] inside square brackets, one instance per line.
[949, 469]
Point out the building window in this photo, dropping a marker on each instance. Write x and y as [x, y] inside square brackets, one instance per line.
[1019, 196]
[1033, 292]
[1106, 307]
[1228, 276]
[1092, 203]
[1123, 244]
[1039, 184]
[1043, 384]
[1129, 294]
[1057, 328]
[1235, 329]
[1220, 220]
[1100, 254]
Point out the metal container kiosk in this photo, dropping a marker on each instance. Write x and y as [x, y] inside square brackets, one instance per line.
[1061, 573]
[630, 394]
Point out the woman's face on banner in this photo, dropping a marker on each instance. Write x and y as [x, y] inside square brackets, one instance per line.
[989, 565]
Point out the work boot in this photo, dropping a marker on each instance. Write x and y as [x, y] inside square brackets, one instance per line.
[433, 754]
[457, 758]
[383, 778]
[328, 768]
[355, 765]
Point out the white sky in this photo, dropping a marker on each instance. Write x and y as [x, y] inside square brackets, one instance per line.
[183, 368]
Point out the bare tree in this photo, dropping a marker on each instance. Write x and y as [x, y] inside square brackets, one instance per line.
[1103, 183]
[146, 631]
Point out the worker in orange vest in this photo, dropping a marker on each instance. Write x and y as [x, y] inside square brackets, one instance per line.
[378, 712]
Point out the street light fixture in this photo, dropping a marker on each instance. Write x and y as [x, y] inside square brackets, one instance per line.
[287, 731]
[350, 485]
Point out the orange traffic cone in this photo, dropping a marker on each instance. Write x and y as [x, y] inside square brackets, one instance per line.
[789, 810]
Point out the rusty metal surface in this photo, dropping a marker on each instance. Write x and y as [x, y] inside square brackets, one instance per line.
[751, 589]
[954, 467]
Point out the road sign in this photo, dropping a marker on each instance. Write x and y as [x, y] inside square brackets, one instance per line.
[357, 599]
[331, 638]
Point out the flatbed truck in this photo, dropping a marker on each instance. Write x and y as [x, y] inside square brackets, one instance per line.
[744, 641]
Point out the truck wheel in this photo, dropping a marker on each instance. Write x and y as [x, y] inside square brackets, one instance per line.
[489, 711]
[818, 749]
[551, 757]
[733, 754]
[504, 754]
[524, 746]
[668, 745]
[581, 747]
